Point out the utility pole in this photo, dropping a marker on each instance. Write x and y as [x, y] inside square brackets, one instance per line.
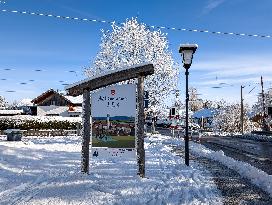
[264, 123]
[242, 111]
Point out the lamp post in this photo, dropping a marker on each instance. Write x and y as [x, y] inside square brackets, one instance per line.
[187, 51]
[242, 111]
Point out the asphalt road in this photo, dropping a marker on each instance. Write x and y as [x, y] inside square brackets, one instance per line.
[258, 154]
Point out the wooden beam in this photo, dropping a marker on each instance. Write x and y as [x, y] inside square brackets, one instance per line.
[140, 127]
[86, 113]
[109, 78]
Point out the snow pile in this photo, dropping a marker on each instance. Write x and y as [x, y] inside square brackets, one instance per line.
[256, 176]
[47, 171]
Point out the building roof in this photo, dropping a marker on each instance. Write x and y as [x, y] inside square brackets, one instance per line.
[205, 113]
[46, 94]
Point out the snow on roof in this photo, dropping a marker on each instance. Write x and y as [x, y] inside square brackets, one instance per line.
[74, 100]
[71, 99]
[11, 112]
[205, 113]
[35, 100]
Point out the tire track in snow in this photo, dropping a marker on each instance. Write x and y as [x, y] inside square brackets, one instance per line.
[25, 192]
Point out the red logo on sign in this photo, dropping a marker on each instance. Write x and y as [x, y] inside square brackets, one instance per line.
[112, 92]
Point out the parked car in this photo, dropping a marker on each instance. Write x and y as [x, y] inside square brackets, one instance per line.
[196, 135]
[165, 123]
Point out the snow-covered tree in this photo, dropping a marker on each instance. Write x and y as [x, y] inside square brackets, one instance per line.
[257, 108]
[14, 105]
[228, 118]
[133, 43]
[260, 109]
[3, 102]
[195, 103]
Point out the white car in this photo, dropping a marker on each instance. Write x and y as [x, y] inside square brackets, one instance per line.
[196, 135]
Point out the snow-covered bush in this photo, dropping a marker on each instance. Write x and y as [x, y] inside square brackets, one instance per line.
[34, 122]
[133, 43]
[228, 119]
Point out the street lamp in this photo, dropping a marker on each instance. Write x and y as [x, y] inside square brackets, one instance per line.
[187, 51]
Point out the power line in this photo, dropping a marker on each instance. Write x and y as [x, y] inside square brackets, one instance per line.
[154, 27]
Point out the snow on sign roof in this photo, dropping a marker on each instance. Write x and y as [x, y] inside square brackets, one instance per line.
[102, 74]
[109, 78]
[205, 113]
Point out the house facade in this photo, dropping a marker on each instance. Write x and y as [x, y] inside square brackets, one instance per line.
[54, 103]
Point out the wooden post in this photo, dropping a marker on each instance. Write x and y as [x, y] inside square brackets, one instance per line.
[140, 127]
[86, 111]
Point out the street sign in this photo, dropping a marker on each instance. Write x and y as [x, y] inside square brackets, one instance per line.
[146, 102]
[145, 95]
[146, 99]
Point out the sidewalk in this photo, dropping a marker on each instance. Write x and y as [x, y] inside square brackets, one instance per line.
[234, 188]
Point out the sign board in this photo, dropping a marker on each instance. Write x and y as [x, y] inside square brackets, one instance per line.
[113, 116]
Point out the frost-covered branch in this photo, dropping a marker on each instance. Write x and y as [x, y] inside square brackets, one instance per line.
[133, 43]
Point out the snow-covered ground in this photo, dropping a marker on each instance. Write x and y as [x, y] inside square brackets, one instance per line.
[47, 171]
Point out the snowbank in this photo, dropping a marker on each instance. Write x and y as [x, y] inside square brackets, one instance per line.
[256, 176]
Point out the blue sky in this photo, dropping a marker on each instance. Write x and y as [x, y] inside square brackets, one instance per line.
[57, 46]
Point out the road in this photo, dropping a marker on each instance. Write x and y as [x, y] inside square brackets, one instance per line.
[258, 154]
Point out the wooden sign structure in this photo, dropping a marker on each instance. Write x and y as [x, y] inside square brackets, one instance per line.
[85, 86]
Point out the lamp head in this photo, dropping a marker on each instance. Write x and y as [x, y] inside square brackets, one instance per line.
[187, 51]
